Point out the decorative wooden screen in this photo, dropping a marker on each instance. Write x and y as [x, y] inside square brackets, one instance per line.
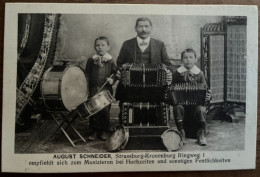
[236, 63]
[223, 57]
[213, 59]
[217, 67]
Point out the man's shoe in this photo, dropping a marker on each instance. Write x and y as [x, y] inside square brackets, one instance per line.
[201, 137]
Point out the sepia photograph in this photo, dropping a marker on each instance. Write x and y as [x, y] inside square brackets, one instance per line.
[125, 88]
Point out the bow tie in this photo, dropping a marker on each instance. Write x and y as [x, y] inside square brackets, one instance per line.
[143, 43]
[188, 76]
[190, 73]
[100, 60]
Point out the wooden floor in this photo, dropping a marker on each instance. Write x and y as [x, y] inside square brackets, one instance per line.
[223, 136]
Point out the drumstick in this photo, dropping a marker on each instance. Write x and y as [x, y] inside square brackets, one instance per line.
[104, 84]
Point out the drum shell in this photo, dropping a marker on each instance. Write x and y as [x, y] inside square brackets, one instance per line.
[53, 92]
[95, 104]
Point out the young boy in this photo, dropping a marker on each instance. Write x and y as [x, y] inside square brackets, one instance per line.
[99, 68]
[190, 73]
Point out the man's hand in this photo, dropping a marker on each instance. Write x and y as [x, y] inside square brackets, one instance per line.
[118, 75]
[168, 77]
[110, 81]
[208, 95]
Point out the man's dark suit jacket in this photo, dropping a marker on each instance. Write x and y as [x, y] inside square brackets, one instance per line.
[128, 52]
[128, 55]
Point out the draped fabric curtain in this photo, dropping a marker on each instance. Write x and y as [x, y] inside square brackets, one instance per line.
[35, 52]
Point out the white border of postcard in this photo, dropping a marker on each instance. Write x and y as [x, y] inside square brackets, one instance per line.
[12, 162]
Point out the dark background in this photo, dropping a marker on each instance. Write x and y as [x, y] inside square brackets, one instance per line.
[234, 173]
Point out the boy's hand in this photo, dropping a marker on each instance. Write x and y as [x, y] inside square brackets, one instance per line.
[118, 75]
[168, 77]
[208, 95]
[110, 81]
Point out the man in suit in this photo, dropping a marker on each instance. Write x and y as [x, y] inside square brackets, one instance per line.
[142, 49]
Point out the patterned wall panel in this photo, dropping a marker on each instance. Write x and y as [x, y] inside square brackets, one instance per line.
[216, 62]
[236, 63]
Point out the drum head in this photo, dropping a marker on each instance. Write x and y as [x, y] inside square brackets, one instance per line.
[117, 138]
[73, 87]
[172, 140]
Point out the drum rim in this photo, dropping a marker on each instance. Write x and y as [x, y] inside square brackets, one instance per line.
[123, 143]
[42, 82]
[127, 138]
[168, 130]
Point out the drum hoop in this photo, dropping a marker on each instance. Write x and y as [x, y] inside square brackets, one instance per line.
[42, 82]
[110, 96]
[59, 86]
[126, 137]
[86, 107]
[170, 129]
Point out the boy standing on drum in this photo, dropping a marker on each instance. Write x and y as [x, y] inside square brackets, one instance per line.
[190, 73]
[99, 68]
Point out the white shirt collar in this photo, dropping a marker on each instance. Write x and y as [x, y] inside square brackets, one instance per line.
[139, 40]
[193, 70]
[107, 55]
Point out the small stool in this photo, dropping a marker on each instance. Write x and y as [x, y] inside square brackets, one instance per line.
[69, 119]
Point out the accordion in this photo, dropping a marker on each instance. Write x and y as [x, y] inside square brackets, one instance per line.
[188, 94]
[141, 75]
[145, 114]
[143, 83]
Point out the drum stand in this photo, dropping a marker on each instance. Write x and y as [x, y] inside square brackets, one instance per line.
[69, 119]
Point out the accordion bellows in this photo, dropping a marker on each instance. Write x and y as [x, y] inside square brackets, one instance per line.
[137, 114]
[141, 75]
[143, 83]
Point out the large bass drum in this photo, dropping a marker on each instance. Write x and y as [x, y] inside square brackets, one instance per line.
[64, 88]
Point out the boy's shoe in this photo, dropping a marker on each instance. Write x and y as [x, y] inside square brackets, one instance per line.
[201, 137]
[103, 136]
[93, 137]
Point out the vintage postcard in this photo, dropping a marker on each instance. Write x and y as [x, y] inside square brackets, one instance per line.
[107, 88]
